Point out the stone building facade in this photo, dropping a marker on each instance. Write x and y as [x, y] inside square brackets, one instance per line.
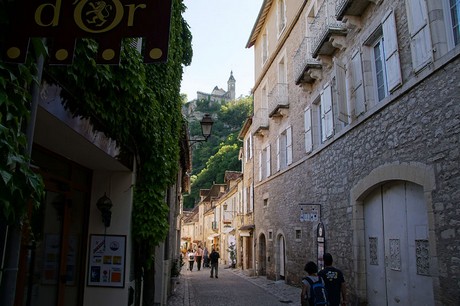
[356, 129]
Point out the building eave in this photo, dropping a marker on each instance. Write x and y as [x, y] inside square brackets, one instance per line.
[260, 21]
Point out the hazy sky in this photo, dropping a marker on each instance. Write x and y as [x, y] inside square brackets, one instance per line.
[220, 30]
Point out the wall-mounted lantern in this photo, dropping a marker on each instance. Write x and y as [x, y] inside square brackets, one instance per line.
[104, 204]
[206, 128]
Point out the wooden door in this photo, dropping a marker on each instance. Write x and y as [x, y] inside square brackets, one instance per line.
[397, 247]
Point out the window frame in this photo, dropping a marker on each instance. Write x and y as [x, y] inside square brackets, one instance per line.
[449, 24]
[281, 18]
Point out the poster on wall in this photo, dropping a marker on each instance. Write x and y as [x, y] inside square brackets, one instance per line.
[52, 249]
[106, 266]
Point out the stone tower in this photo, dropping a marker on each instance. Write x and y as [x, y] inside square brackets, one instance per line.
[231, 86]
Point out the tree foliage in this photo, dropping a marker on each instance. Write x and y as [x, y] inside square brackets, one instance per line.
[220, 153]
[18, 183]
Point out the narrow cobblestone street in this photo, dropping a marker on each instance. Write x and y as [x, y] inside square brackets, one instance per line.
[233, 287]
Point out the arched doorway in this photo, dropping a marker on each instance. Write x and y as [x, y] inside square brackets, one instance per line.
[262, 257]
[397, 245]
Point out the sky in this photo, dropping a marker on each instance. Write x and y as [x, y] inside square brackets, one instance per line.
[220, 30]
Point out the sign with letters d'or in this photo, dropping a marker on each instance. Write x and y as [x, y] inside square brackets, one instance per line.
[108, 21]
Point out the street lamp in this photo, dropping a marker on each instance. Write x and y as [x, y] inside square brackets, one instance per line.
[206, 127]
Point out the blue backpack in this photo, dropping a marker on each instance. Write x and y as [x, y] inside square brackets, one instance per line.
[318, 294]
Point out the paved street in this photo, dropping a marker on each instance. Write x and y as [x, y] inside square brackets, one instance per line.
[232, 287]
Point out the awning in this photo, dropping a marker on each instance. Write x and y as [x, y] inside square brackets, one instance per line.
[212, 236]
[228, 230]
[247, 227]
[246, 230]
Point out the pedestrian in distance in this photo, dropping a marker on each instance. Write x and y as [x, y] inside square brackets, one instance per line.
[335, 282]
[313, 288]
[191, 259]
[214, 258]
[198, 257]
[205, 257]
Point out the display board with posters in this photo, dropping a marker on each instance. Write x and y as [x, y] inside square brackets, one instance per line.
[107, 257]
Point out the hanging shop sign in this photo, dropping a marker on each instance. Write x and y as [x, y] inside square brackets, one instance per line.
[107, 21]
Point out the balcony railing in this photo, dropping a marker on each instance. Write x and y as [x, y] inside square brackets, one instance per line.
[304, 63]
[351, 7]
[260, 121]
[278, 99]
[327, 27]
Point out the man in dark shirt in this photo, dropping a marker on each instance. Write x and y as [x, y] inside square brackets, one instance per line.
[214, 258]
[334, 281]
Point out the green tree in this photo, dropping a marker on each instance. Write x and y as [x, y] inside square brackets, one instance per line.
[220, 153]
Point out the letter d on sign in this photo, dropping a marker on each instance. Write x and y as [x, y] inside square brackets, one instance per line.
[55, 16]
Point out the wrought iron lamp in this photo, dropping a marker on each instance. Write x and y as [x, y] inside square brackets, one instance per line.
[206, 128]
[104, 204]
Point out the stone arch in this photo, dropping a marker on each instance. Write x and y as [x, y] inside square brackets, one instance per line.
[417, 173]
[280, 255]
[261, 259]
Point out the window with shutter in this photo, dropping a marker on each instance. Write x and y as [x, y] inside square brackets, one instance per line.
[278, 157]
[308, 132]
[391, 51]
[452, 20]
[288, 146]
[264, 48]
[281, 16]
[380, 70]
[251, 197]
[419, 30]
[260, 166]
[341, 92]
[327, 122]
[268, 171]
[357, 86]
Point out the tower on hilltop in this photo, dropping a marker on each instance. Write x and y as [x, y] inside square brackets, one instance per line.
[231, 86]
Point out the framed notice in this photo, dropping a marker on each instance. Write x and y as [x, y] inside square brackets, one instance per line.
[107, 258]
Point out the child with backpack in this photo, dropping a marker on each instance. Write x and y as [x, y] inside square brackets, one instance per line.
[313, 289]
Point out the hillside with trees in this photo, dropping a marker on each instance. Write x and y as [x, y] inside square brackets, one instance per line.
[211, 159]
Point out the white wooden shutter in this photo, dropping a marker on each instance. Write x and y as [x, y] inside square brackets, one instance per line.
[245, 204]
[289, 146]
[251, 197]
[268, 161]
[278, 156]
[341, 89]
[260, 165]
[308, 133]
[419, 30]
[357, 86]
[391, 51]
[326, 113]
[250, 146]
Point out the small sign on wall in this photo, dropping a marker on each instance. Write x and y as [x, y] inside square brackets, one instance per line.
[107, 257]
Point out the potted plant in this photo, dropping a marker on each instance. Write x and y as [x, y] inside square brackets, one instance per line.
[232, 252]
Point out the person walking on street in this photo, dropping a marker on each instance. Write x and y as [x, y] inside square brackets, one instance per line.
[205, 257]
[214, 258]
[198, 257]
[191, 259]
[335, 282]
[313, 287]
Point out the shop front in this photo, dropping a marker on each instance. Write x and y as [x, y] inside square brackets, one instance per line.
[68, 255]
